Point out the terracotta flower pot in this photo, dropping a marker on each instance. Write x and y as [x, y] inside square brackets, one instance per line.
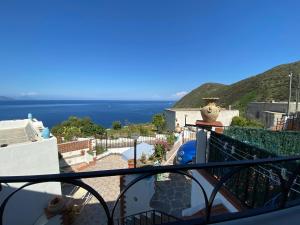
[130, 163]
[56, 205]
[211, 111]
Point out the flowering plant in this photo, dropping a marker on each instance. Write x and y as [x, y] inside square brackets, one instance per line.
[160, 149]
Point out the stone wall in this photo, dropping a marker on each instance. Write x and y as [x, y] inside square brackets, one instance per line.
[268, 112]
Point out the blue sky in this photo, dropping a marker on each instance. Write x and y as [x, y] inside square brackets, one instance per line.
[154, 50]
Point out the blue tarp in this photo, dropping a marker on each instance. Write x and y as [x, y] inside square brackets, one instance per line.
[141, 149]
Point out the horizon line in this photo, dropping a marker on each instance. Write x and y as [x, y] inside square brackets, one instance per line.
[156, 100]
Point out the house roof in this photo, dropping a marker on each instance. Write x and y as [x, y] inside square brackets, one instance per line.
[18, 131]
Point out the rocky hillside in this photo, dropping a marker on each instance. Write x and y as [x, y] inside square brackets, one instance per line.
[269, 85]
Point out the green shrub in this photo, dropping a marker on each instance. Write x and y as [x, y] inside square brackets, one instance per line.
[159, 121]
[116, 125]
[129, 130]
[244, 122]
[99, 150]
[77, 127]
[283, 143]
[160, 150]
[171, 139]
[144, 131]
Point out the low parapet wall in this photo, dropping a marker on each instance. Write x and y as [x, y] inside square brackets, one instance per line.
[178, 116]
[74, 146]
[75, 152]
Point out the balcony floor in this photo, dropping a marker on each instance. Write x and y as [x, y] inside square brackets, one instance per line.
[289, 216]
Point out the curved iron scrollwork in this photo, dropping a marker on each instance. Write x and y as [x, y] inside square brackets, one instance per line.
[217, 188]
[74, 178]
[133, 182]
[78, 183]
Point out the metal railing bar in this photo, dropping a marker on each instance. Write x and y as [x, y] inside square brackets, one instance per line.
[258, 170]
[157, 169]
[235, 148]
[219, 148]
[171, 216]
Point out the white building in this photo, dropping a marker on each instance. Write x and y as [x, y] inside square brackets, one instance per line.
[179, 116]
[24, 151]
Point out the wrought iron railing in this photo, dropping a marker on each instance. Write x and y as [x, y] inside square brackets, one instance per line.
[227, 170]
[122, 142]
[150, 217]
[255, 186]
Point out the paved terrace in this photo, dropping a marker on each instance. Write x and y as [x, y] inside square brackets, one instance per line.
[107, 187]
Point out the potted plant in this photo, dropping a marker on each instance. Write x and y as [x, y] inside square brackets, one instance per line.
[160, 149]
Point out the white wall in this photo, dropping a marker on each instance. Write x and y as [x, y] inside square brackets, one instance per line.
[174, 116]
[138, 197]
[197, 198]
[75, 157]
[31, 158]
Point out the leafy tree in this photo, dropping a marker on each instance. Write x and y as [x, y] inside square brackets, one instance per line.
[116, 125]
[77, 127]
[71, 133]
[159, 122]
[92, 130]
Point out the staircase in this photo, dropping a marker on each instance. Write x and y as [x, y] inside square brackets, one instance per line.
[280, 124]
[152, 217]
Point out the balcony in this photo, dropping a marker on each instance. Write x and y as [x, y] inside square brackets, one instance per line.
[232, 186]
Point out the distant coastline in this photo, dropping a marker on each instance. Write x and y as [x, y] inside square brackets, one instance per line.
[102, 112]
[5, 98]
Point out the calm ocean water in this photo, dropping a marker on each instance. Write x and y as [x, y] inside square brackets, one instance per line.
[102, 112]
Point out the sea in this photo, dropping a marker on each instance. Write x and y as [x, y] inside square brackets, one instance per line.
[102, 112]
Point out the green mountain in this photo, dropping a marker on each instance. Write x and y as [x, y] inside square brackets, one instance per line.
[272, 84]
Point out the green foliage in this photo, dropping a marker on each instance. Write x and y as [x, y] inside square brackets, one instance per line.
[270, 85]
[280, 143]
[71, 132]
[116, 125]
[158, 120]
[171, 139]
[144, 131]
[128, 131]
[100, 150]
[77, 127]
[243, 122]
[160, 150]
